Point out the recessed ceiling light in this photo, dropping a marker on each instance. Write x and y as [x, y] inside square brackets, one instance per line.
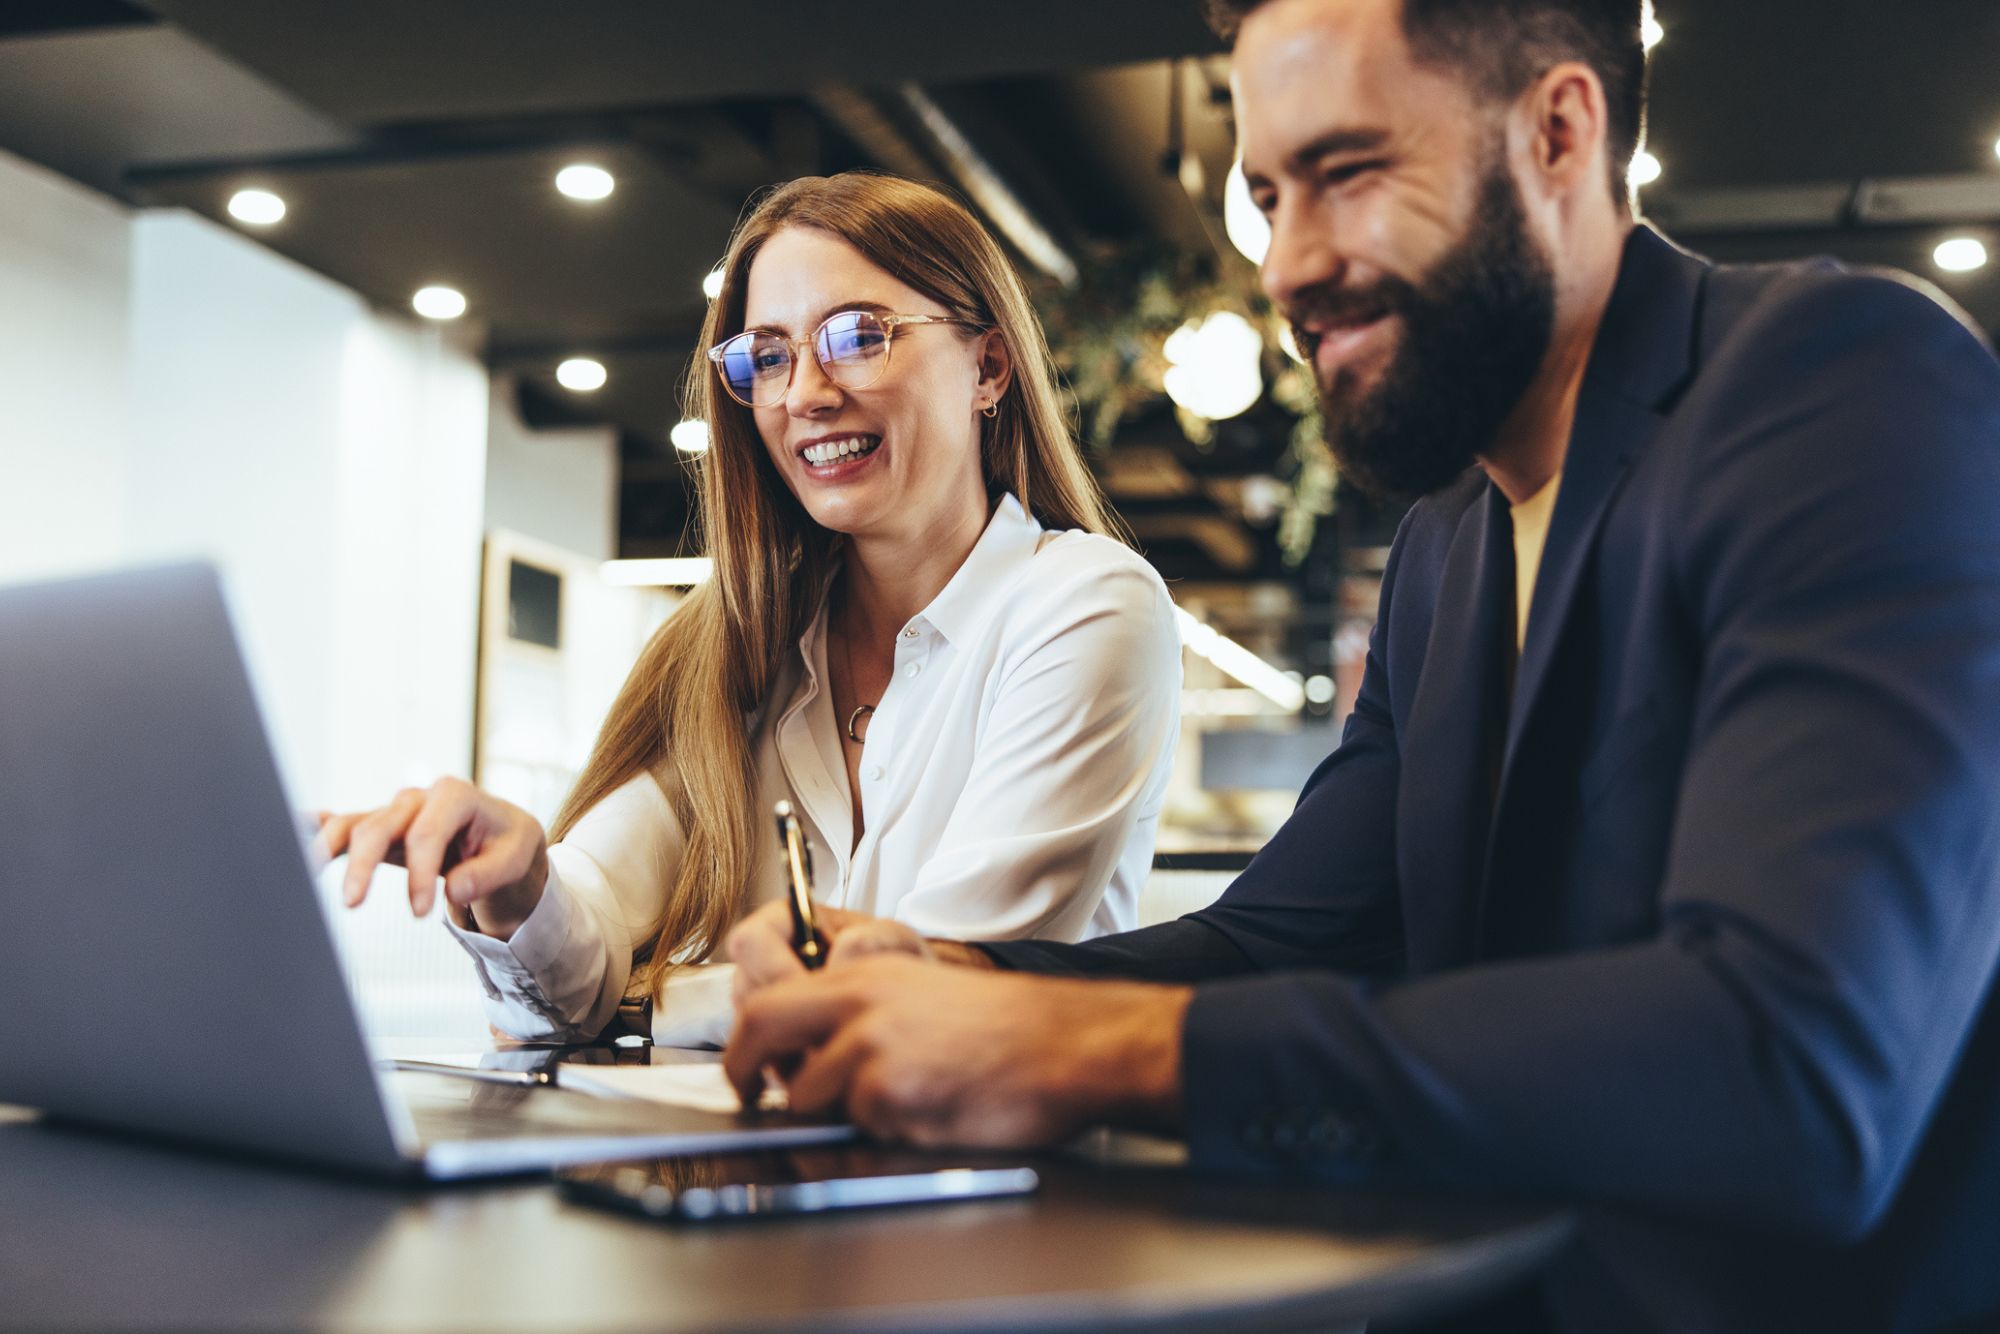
[1996, 148]
[1650, 31]
[439, 303]
[581, 375]
[1961, 254]
[711, 286]
[582, 180]
[259, 208]
[1645, 168]
[690, 436]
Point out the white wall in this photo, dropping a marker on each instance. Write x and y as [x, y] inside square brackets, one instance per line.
[332, 461]
[169, 388]
[559, 487]
[64, 292]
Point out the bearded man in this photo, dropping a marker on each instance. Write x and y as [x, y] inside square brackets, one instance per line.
[1657, 868]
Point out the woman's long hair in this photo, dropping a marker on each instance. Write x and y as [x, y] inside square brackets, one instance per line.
[684, 711]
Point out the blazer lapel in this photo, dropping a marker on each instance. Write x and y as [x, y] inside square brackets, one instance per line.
[1643, 356]
[1608, 432]
[1454, 725]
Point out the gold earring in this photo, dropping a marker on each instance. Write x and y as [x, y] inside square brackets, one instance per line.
[993, 408]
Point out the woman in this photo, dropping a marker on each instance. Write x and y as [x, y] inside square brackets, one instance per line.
[919, 632]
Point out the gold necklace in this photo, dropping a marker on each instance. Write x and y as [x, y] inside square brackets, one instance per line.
[862, 711]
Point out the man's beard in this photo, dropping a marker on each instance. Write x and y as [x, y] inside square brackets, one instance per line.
[1474, 335]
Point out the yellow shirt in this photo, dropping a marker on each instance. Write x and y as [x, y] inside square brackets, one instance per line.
[1531, 532]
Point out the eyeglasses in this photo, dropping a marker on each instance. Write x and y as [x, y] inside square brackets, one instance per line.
[852, 347]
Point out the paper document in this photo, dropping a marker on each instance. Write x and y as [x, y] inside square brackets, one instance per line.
[701, 1086]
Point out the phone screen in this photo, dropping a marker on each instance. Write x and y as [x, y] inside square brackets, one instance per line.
[785, 1182]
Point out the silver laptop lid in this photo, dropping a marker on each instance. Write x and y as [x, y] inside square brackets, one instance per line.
[151, 877]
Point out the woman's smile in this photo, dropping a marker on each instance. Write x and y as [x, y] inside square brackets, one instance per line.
[838, 457]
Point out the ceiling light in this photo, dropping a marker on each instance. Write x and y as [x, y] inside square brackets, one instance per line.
[581, 375]
[1996, 148]
[1249, 230]
[581, 180]
[711, 286]
[259, 208]
[1650, 31]
[439, 303]
[1645, 168]
[670, 572]
[1319, 690]
[690, 436]
[1961, 254]
[1205, 641]
[1215, 368]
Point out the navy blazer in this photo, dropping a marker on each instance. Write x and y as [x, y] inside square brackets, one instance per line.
[1695, 921]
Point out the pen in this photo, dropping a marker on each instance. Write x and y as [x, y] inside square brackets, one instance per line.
[544, 1078]
[807, 942]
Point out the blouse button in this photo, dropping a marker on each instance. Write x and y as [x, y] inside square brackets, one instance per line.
[914, 669]
[874, 773]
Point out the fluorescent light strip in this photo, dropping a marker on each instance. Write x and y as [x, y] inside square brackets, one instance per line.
[1202, 639]
[1207, 642]
[671, 572]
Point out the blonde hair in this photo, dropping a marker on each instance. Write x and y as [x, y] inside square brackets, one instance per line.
[683, 712]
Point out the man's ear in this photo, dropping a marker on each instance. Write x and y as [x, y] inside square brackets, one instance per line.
[1569, 130]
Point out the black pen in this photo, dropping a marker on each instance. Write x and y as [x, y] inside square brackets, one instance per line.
[807, 942]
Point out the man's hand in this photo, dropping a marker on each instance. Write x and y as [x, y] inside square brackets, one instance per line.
[935, 1055]
[761, 944]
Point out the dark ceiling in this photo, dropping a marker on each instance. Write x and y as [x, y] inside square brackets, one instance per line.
[415, 141]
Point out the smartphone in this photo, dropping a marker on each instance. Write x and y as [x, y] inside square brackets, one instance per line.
[778, 1184]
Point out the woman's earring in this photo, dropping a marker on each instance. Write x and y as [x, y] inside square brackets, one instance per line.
[993, 408]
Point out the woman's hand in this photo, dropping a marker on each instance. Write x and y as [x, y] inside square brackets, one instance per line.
[492, 855]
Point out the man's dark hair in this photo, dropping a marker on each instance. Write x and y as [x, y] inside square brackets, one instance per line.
[1504, 45]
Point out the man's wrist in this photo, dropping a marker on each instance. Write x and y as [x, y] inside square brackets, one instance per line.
[960, 954]
[1128, 1054]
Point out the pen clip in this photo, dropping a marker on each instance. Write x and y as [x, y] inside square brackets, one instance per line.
[807, 942]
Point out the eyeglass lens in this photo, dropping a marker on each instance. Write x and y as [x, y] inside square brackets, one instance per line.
[852, 347]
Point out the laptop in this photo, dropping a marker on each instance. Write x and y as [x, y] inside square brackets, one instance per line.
[166, 965]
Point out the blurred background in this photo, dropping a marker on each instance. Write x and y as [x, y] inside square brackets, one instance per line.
[386, 306]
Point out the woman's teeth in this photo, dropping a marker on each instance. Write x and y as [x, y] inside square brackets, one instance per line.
[836, 450]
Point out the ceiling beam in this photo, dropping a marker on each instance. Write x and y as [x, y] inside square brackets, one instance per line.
[1886, 201]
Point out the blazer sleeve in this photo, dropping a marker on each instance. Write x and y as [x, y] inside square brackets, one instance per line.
[1830, 914]
[1321, 893]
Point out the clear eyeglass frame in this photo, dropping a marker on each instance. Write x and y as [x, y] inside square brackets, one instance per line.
[850, 370]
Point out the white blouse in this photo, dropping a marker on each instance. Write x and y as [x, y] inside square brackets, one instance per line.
[1011, 786]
